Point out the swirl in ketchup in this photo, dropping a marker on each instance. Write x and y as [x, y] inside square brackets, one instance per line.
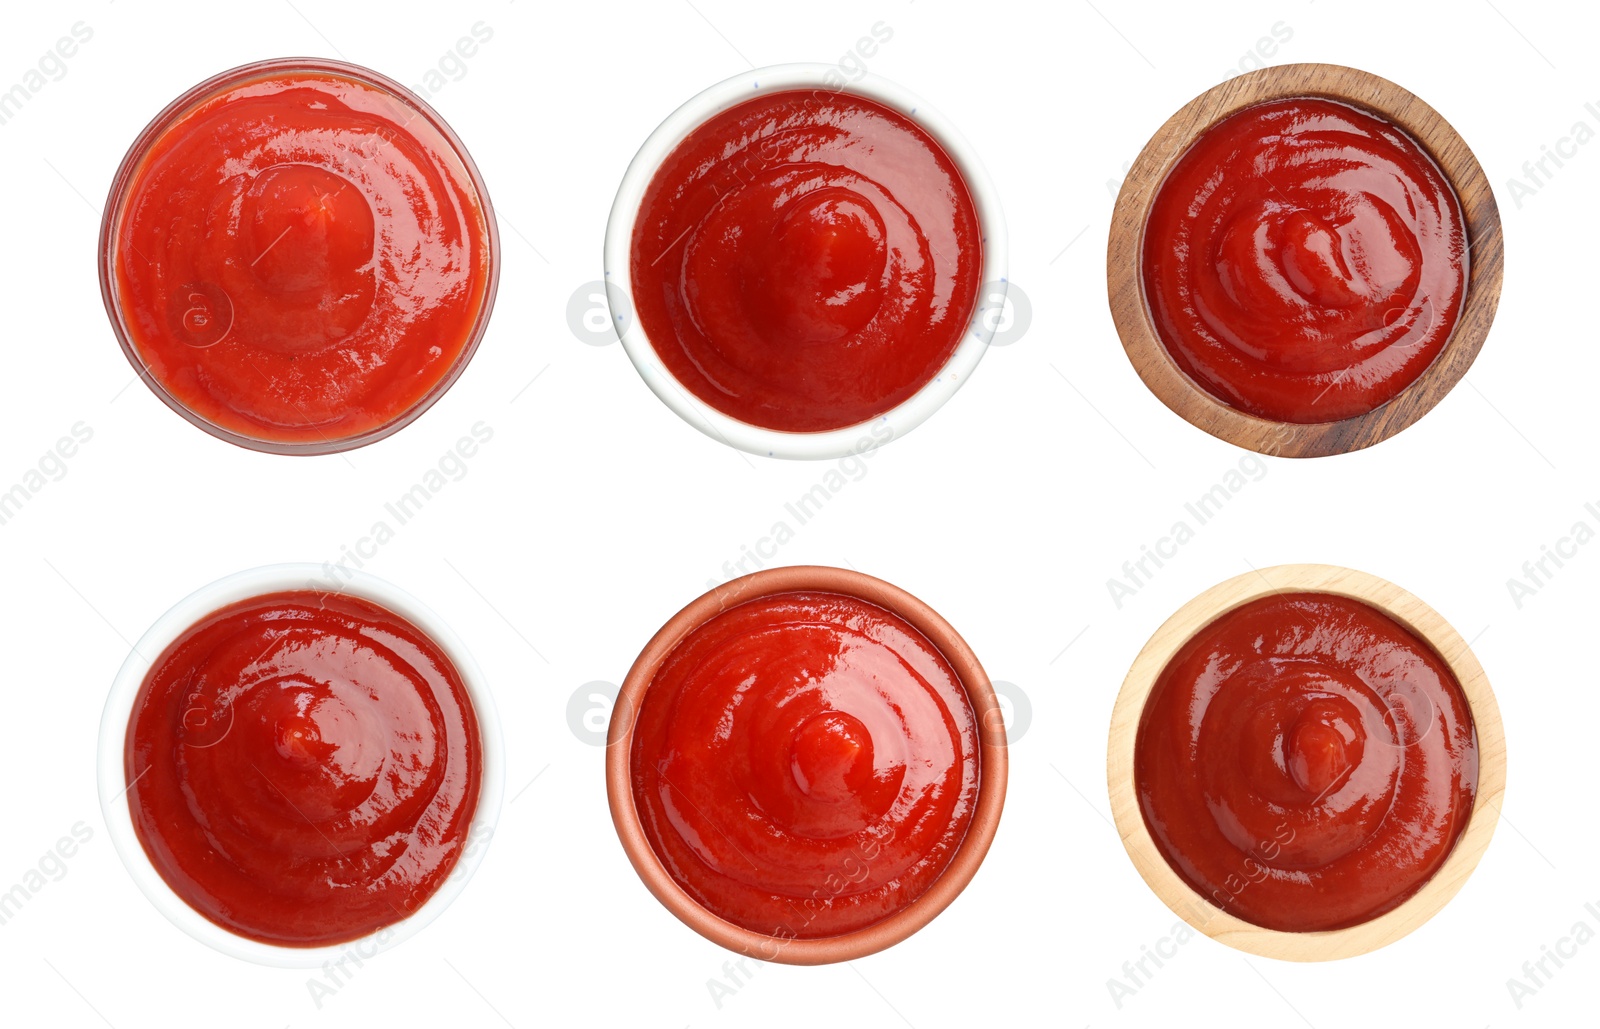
[806, 261]
[303, 768]
[299, 254]
[1306, 762]
[805, 764]
[1304, 261]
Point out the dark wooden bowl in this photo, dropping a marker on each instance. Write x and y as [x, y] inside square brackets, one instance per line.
[1124, 280]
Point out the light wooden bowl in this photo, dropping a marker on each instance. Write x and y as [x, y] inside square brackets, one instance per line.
[1198, 910]
[1125, 286]
[992, 762]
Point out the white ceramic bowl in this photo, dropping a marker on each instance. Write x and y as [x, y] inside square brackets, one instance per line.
[114, 728]
[771, 442]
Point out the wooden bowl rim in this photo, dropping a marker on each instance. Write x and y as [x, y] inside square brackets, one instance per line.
[992, 766]
[1130, 309]
[1198, 910]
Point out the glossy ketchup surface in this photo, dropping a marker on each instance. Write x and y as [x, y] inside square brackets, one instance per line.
[1306, 762]
[806, 261]
[1304, 261]
[303, 767]
[805, 764]
[300, 257]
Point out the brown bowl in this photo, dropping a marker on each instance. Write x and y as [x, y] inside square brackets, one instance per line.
[1125, 285]
[1198, 910]
[991, 766]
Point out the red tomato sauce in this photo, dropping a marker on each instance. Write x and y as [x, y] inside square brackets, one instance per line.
[1304, 261]
[806, 261]
[1306, 762]
[300, 256]
[805, 764]
[303, 768]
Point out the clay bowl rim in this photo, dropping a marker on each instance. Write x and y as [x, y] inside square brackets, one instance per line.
[992, 765]
[1197, 910]
[1125, 281]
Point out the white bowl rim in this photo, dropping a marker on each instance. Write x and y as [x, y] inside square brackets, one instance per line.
[119, 708]
[832, 443]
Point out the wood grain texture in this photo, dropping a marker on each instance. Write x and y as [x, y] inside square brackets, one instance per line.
[1198, 911]
[1125, 286]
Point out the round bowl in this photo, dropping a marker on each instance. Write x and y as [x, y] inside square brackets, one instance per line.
[1198, 910]
[114, 787]
[832, 443]
[110, 225]
[991, 764]
[1125, 282]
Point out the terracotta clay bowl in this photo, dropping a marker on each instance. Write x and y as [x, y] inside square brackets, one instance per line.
[991, 762]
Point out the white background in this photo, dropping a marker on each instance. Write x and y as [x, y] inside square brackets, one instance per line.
[595, 513]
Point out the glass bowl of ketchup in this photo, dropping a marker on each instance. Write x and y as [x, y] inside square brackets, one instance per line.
[802, 265]
[295, 772]
[806, 765]
[298, 256]
[1306, 762]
